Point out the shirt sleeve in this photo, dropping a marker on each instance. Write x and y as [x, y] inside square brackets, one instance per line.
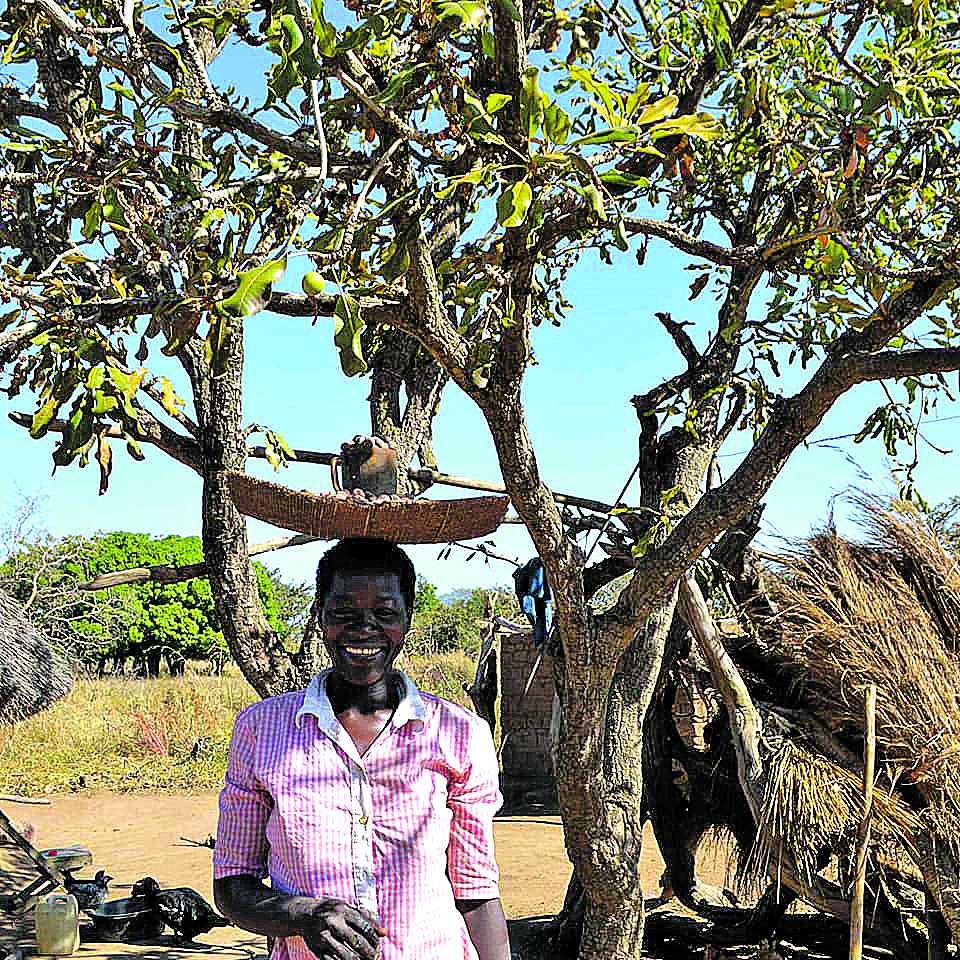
[473, 796]
[245, 808]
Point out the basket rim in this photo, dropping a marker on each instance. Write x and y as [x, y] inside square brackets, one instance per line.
[329, 517]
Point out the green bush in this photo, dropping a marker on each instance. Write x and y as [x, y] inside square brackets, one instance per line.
[146, 621]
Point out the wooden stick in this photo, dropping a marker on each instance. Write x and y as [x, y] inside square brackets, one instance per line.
[863, 834]
[938, 933]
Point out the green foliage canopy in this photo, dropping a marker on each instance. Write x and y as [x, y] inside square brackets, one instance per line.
[178, 618]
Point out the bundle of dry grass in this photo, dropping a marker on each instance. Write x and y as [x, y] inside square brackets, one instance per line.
[32, 674]
[811, 804]
[883, 611]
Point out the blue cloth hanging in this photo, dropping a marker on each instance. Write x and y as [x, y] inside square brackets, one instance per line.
[533, 593]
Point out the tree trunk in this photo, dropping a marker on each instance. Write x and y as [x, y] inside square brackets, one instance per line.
[265, 664]
[612, 933]
[599, 784]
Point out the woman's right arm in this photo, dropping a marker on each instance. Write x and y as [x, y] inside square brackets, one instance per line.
[332, 929]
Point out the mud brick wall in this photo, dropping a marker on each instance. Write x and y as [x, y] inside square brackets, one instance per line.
[525, 725]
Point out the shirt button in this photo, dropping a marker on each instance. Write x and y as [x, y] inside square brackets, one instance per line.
[363, 820]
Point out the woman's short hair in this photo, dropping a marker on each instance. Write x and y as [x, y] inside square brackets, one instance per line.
[353, 554]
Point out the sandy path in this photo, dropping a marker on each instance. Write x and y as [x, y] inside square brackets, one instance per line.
[132, 835]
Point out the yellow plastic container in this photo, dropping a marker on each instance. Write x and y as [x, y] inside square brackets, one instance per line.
[58, 925]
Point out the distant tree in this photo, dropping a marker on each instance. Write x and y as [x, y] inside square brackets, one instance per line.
[148, 621]
[426, 599]
[40, 572]
[459, 623]
[945, 519]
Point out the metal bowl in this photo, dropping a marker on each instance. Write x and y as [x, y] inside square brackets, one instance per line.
[131, 919]
[68, 858]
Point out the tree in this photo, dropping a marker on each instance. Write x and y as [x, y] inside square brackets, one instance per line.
[425, 600]
[45, 575]
[146, 622]
[455, 165]
[459, 623]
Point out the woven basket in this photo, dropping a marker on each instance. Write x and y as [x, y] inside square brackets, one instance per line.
[329, 517]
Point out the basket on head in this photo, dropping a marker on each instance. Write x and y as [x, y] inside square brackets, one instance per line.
[330, 517]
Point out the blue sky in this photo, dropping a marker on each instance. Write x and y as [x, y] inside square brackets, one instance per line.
[581, 421]
[577, 398]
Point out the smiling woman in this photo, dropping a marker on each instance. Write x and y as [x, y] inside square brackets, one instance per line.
[368, 803]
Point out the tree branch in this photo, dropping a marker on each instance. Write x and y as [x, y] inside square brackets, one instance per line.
[852, 361]
[150, 430]
[162, 573]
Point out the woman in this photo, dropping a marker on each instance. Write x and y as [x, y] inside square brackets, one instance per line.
[368, 804]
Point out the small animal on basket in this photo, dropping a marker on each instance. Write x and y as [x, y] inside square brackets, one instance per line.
[182, 909]
[90, 894]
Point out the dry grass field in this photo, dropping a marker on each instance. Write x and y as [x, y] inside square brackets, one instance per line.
[128, 734]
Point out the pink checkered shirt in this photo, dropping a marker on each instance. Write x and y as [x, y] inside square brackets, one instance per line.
[401, 831]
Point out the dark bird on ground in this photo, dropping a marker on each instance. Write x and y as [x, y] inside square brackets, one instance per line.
[182, 909]
[90, 894]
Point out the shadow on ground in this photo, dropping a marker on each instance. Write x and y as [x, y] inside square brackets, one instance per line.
[672, 936]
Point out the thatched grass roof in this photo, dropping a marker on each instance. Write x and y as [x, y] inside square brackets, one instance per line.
[32, 674]
[885, 610]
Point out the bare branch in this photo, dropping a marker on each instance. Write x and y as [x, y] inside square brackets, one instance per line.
[745, 723]
[685, 345]
[162, 573]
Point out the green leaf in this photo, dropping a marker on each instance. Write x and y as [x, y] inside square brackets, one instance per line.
[487, 43]
[618, 135]
[123, 91]
[471, 13]
[620, 235]
[92, 221]
[617, 179]
[348, 325]
[510, 9]
[701, 125]
[658, 110]
[397, 263]
[610, 101]
[253, 290]
[497, 100]
[297, 63]
[531, 102]
[216, 352]
[595, 199]
[513, 204]
[877, 98]
[556, 123]
[813, 98]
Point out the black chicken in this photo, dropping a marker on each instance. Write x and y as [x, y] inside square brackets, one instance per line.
[90, 894]
[182, 909]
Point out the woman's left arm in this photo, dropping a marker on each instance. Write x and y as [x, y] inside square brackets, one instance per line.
[487, 927]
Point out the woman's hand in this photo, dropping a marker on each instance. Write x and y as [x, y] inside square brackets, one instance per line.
[334, 930]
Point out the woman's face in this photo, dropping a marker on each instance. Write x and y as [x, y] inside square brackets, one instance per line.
[365, 620]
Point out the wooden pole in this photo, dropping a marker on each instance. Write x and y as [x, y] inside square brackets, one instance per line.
[863, 834]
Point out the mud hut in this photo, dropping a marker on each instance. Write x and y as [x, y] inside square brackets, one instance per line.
[513, 692]
[33, 674]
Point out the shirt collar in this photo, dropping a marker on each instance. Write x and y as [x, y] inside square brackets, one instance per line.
[316, 702]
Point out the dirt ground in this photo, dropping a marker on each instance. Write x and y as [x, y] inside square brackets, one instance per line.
[133, 835]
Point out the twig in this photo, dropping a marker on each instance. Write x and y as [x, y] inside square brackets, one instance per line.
[863, 833]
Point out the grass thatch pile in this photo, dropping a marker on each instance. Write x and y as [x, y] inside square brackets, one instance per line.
[811, 804]
[32, 674]
[886, 611]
